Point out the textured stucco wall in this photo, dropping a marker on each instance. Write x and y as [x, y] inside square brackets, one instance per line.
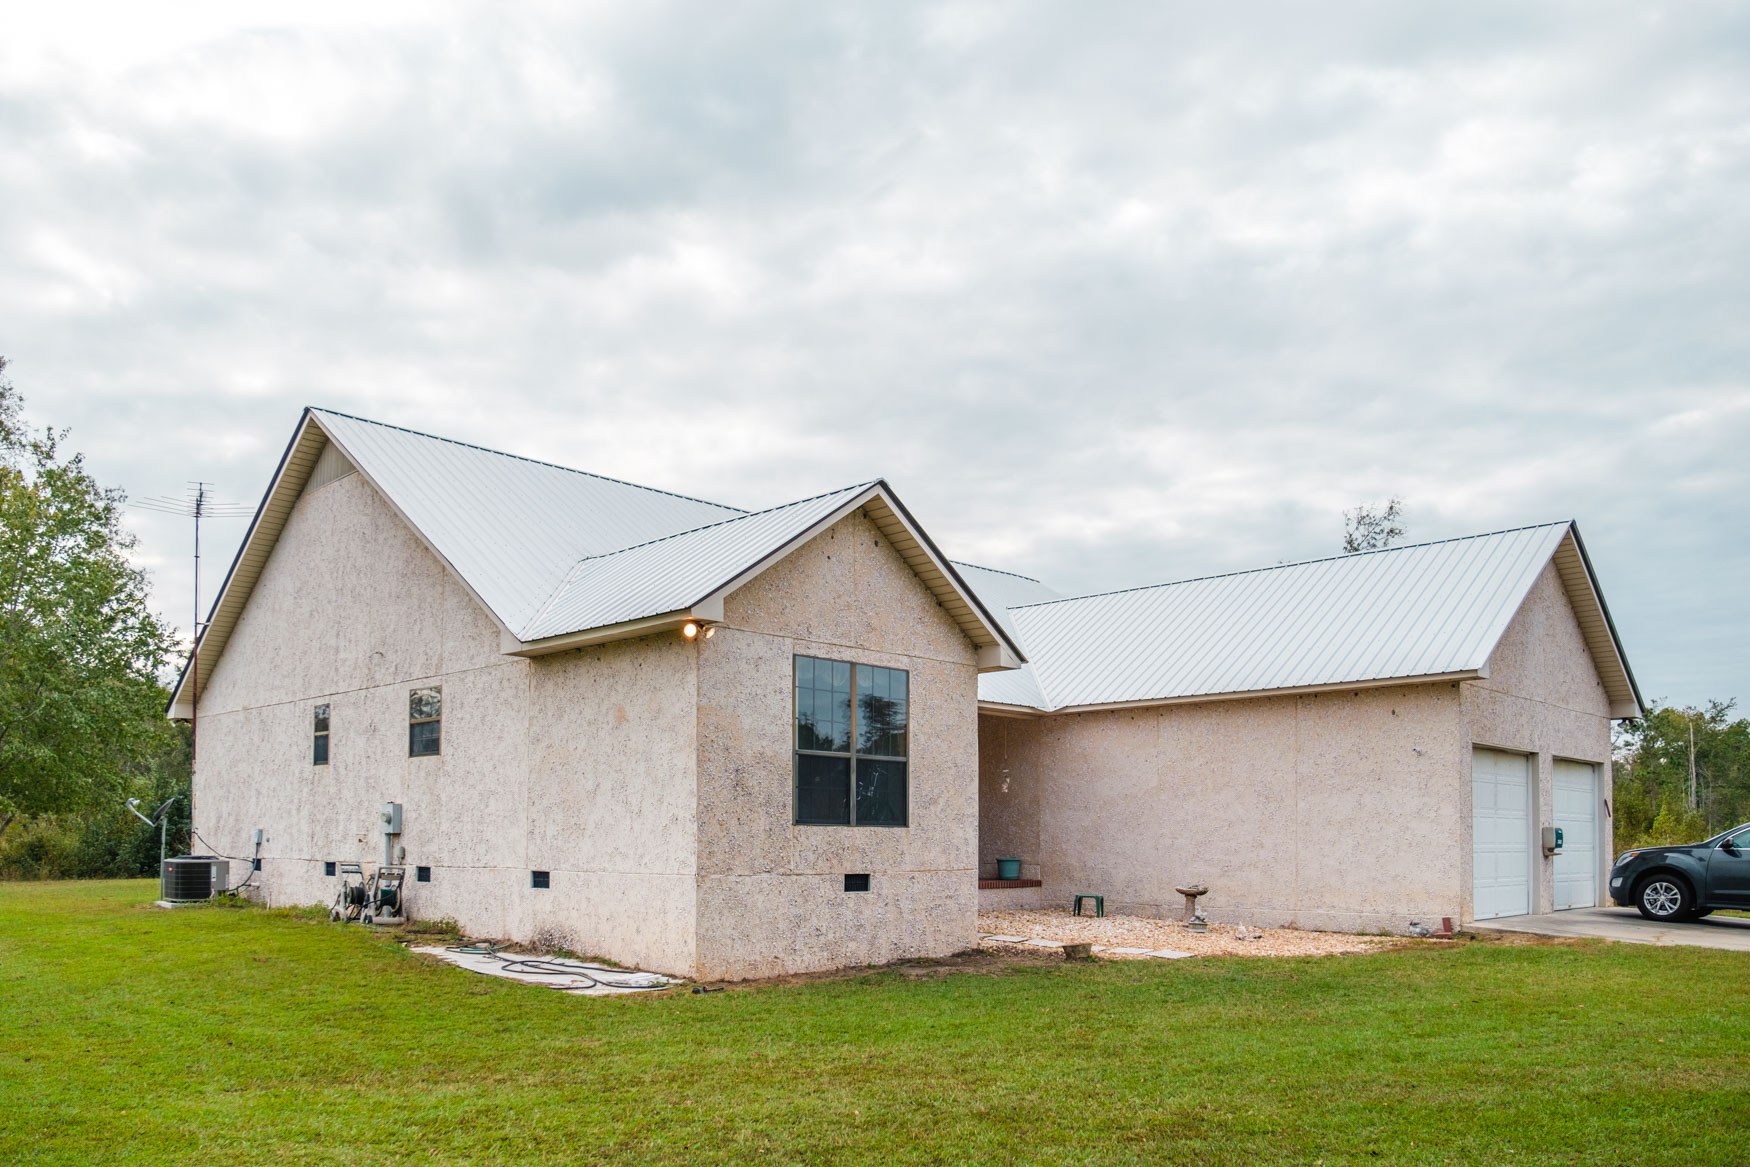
[580, 763]
[1345, 810]
[1542, 697]
[771, 894]
[1316, 811]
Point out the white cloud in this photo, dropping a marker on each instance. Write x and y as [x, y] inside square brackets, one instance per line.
[1111, 298]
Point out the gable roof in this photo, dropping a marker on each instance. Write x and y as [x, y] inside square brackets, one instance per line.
[1429, 611]
[561, 558]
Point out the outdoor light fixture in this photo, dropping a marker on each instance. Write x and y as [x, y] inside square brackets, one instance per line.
[691, 630]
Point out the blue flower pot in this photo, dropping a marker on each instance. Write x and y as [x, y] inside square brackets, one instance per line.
[1008, 869]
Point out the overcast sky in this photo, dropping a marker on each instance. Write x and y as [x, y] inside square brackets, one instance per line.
[1112, 294]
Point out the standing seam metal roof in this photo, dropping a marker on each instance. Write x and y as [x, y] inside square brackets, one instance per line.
[1423, 610]
[512, 527]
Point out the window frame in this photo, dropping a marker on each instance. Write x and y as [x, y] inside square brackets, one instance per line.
[321, 744]
[438, 721]
[854, 755]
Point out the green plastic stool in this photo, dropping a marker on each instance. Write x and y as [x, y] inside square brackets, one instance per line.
[1099, 905]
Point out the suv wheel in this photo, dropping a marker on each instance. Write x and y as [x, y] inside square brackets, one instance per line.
[1663, 898]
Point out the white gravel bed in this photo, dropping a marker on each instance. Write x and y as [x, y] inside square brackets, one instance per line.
[1137, 938]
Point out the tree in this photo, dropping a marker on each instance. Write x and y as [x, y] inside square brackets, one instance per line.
[1681, 775]
[80, 707]
[1370, 528]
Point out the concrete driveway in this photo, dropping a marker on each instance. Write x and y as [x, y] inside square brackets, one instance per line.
[1626, 924]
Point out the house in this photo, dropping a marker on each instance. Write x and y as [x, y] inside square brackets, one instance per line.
[1351, 743]
[501, 647]
[728, 744]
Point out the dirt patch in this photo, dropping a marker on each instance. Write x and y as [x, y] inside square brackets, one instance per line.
[1111, 935]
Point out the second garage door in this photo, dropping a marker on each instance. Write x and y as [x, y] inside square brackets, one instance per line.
[1500, 834]
[1576, 812]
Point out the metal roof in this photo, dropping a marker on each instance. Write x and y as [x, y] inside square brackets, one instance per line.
[1430, 610]
[511, 527]
[559, 556]
[677, 572]
[1002, 590]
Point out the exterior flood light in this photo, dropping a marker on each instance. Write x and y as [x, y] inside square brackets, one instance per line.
[689, 630]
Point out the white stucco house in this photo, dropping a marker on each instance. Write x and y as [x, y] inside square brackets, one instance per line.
[728, 744]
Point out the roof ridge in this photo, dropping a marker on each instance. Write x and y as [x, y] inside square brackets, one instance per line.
[524, 458]
[1298, 563]
[998, 571]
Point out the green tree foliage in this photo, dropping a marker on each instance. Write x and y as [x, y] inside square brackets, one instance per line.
[81, 710]
[1656, 803]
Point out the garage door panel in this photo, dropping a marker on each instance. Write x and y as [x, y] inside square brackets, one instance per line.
[1500, 834]
[1574, 793]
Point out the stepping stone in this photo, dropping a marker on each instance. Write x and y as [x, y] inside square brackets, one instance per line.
[1007, 939]
[1051, 944]
[1171, 954]
[1131, 951]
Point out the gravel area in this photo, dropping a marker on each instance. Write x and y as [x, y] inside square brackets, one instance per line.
[1135, 938]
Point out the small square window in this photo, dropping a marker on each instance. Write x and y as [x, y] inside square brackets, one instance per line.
[328, 869]
[857, 882]
[422, 874]
[540, 879]
[424, 719]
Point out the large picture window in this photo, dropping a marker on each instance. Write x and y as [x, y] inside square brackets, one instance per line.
[850, 744]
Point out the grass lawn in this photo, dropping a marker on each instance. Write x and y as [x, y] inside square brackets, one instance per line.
[237, 1035]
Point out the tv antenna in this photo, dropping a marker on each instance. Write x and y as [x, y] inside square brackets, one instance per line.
[198, 504]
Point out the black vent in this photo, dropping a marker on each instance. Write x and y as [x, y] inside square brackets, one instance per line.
[540, 879]
[328, 869]
[857, 882]
[422, 874]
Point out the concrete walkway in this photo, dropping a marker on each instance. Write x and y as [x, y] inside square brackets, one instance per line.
[1626, 924]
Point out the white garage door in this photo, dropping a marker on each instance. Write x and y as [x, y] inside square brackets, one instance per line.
[1500, 785]
[1575, 791]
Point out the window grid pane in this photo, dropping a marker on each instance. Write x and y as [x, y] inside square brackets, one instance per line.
[851, 742]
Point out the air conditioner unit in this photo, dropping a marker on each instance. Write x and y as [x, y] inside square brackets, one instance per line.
[194, 877]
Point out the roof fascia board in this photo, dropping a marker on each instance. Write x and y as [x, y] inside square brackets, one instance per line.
[1289, 691]
[509, 645]
[179, 707]
[1635, 706]
[287, 484]
[947, 568]
[1001, 709]
[1007, 655]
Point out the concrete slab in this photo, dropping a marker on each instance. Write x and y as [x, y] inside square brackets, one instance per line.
[1628, 926]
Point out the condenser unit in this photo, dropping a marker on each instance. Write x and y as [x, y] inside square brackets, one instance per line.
[194, 877]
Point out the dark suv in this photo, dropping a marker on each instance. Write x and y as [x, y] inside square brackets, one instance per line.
[1688, 882]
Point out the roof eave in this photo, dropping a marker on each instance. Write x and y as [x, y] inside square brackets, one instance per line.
[1255, 694]
[1625, 702]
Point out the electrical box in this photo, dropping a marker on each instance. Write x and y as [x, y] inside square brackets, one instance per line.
[391, 817]
[1552, 840]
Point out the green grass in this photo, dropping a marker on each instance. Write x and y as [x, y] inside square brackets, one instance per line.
[245, 1036]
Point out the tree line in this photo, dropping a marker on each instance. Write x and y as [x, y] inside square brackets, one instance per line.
[1681, 775]
[82, 725]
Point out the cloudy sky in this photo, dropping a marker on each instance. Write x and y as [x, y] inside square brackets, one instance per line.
[1113, 294]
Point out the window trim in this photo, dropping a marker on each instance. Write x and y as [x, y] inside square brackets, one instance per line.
[437, 721]
[797, 753]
